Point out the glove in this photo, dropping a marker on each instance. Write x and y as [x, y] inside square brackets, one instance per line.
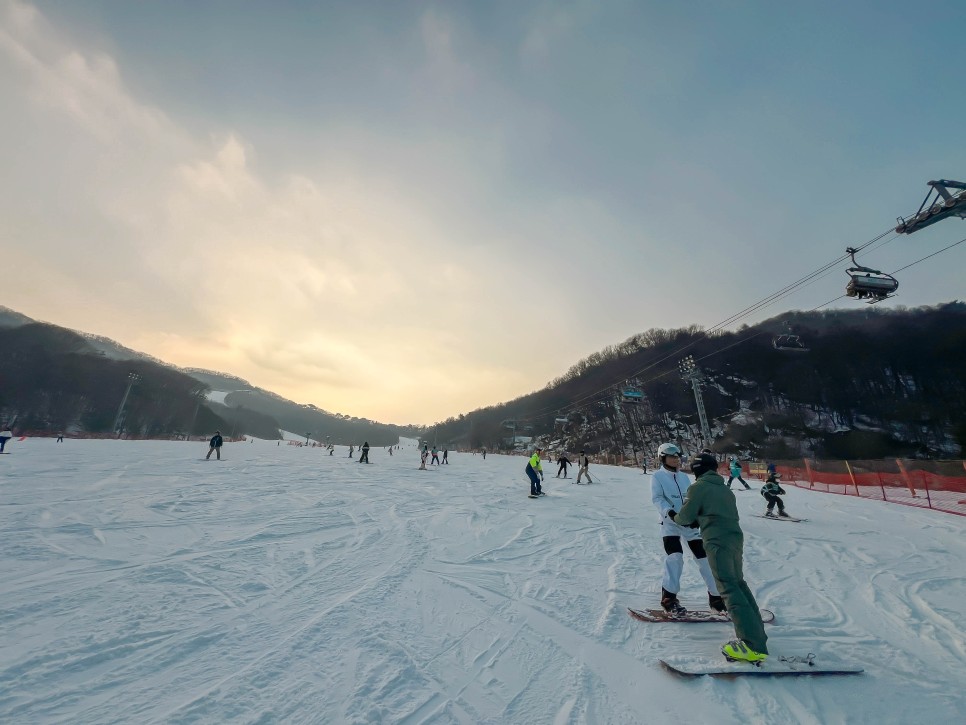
[671, 514]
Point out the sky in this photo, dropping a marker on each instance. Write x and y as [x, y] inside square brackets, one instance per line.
[409, 210]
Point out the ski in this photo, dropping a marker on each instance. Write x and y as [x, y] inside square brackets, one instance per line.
[530, 495]
[772, 667]
[692, 616]
[780, 518]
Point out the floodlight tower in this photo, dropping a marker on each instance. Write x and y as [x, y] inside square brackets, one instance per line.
[692, 373]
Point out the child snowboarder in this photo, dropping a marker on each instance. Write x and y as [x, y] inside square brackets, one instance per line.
[771, 491]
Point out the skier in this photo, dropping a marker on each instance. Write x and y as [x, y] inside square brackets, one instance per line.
[446, 456]
[364, 458]
[484, 454]
[771, 491]
[564, 462]
[736, 473]
[60, 437]
[214, 445]
[668, 487]
[331, 450]
[352, 451]
[532, 469]
[5, 435]
[435, 456]
[390, 450]
[583, 463]
[707, 504]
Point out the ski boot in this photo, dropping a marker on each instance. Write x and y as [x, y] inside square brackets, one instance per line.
[783, 514]
[770, 514]
[671, 604]
[716, 603]
[738, 651]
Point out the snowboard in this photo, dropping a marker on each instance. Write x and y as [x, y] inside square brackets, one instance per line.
[772, 667]
[780, 518]
[695, 616]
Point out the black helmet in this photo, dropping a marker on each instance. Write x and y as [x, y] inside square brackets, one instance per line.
[702, 463]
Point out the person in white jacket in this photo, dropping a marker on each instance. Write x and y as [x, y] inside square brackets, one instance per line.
[668, 486]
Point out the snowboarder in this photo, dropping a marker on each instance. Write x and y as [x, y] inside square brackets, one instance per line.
[423, 455]
[771, 491]
[214, 445]
[5, 435]
[435, 456]
[583, 463]
[364, 458]
[532, 469]
[736, 473]
[668, 486]
[564, 462]
[711, 506]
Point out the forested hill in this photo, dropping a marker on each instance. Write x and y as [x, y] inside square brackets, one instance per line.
[57, 380]
[874, 382]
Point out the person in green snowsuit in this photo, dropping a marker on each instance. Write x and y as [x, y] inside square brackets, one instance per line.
[710, 504]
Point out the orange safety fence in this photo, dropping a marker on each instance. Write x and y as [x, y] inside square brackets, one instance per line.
[936, 485]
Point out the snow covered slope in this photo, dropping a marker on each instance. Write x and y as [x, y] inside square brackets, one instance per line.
[144, 584]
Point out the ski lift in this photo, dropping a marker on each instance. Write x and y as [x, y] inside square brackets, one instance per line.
[632, 395]
[869, 284]
[945, 204]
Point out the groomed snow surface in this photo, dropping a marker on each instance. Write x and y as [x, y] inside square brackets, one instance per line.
[143, 584]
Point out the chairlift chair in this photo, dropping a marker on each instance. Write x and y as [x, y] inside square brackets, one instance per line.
[869, 284]
[632, 395]
[789, 343]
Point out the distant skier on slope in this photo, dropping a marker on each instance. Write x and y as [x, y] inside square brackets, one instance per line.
[564, 462]
[533, 468]
[214, 445]
[423, 455]
[668, 486]
[710, 504]
[736, 473]
[484, 454]
[5, 435]
[446, 456]
[435, 453]
[364, 458]
[352, 451]
[771, 491]
[583, 463]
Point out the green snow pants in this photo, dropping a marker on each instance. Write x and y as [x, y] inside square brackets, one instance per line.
[725, 564]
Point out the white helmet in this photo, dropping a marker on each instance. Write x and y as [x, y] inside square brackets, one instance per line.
[668, 449]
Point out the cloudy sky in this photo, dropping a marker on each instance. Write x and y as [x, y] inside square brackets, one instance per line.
[407, 210]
